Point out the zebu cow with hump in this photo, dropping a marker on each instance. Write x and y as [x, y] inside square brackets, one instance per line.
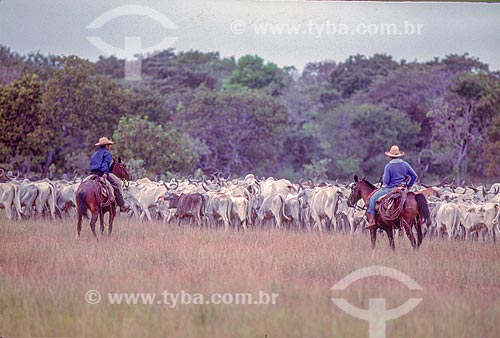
[270, 207]
[40, 194]
[144, 196]
[218, 207]
[271, 186]
[241, 196]
[322, 203]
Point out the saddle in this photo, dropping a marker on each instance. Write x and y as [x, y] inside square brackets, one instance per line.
[107, 192]
[391, 205]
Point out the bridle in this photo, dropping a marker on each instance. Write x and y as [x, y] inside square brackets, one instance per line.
[350, 201]
[123, 168]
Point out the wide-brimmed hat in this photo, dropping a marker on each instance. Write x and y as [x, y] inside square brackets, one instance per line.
[104, 141]
[394, 152]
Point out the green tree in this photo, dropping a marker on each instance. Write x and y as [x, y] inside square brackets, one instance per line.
[77, 108]
[155, 149]
[12, 66]
[356, 137]
[458, 123]
[358, 72]
[489, 106]
[252, 73]
[244, 131]
[19, 121]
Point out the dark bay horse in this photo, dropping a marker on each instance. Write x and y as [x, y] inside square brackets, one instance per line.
[414, 213]
[89, 198]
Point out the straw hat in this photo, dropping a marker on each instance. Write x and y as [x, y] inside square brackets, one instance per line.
[104, 141]
[394, 152]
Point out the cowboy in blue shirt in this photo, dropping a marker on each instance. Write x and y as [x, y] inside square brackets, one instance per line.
[395, 173]
[100, 163]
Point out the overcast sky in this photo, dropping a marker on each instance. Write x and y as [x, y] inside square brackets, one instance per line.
[311, 31]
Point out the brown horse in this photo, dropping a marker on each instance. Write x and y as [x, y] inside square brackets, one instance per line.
[89, 197]
[414, 213]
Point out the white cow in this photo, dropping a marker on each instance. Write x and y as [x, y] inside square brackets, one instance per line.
[7, 197]
[448, 218]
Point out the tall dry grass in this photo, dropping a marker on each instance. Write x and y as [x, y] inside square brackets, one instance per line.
[45, 271]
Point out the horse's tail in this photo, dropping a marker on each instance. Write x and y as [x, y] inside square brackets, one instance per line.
[81, 201]
[423, 209]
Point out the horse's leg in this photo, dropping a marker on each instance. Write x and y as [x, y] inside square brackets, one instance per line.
[112, 214]
[409, 233]
[93, 220]
[418, 227]
[101, 219]
[373, 236]
[79, 223]
[390, 236]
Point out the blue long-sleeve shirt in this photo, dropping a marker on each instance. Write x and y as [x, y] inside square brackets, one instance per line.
[396, 171]
[101, 160]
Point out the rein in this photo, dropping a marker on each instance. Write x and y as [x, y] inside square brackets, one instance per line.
[357, 207]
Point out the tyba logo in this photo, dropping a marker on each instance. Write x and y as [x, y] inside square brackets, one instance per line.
[132, 44]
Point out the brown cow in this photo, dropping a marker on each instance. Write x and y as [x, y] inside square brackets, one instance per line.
[188, 205]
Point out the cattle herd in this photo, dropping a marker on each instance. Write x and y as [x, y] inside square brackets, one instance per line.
[456, 212]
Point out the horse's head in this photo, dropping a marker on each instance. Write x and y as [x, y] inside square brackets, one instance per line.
[119, 168]
[355, 192]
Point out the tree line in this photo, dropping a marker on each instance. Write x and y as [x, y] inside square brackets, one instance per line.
[200, 112]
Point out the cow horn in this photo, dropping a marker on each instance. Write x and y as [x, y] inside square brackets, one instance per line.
[472, 188]
[2, 172]
[452, 185]
[209, 189]
[443, 182]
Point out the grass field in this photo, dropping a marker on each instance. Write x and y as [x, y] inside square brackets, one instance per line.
[46, 271]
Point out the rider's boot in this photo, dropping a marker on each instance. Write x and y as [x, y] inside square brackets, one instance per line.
[124, 207]
[371, 222]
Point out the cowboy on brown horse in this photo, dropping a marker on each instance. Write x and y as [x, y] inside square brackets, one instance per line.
[396, 173]
[100, 164]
